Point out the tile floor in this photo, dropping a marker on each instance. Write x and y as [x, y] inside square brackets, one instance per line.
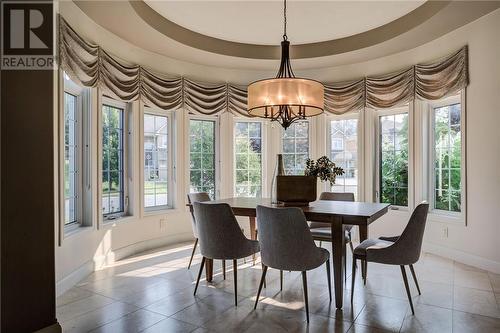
[153, 292]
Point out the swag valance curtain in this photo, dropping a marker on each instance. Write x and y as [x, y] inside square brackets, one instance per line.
[92, 66]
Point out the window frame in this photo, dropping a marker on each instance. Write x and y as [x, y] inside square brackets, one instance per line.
[378, 113]
[360, 144]
[171, 184]
[430, 181]
[84, 156]
[69, 87]
[263, 172]
[108, 101]
[216, 120]
[309, 137]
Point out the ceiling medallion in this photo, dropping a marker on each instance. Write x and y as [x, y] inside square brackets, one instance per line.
[285, 99]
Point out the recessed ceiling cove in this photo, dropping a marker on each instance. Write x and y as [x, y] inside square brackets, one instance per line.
[260, 22]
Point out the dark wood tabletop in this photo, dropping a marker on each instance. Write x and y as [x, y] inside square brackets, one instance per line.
[354, 213]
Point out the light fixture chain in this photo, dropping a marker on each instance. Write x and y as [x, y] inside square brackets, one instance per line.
[285, 37]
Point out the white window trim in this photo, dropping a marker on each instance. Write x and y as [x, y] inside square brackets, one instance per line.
[171, 167]
[360, 148]
[437, 214]
[218, 161]
[127, 133]
[264, 168]
[376, 123]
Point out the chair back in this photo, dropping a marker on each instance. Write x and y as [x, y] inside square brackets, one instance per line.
[336, 196]
[409, 244]
[219, 233]
[406, 249]
[192, 198]
[284, 238]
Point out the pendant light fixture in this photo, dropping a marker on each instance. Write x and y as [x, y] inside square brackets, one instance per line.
[286, 98]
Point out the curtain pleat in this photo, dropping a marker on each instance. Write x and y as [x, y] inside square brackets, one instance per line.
[91, 66]
[341, 98]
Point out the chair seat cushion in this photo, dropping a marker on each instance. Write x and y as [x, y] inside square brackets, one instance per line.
[325, 233]
[372, 244]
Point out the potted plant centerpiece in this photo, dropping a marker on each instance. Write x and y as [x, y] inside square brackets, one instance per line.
[301, 190]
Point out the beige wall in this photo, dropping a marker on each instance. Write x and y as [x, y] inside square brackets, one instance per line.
[474, 244]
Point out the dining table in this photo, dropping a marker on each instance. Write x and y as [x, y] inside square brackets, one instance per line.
[338, 214]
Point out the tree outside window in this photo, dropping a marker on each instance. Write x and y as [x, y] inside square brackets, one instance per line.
[202, 156]
[248, 159]
[447, 158]
[394, 159]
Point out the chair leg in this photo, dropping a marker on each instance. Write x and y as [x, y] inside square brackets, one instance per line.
[199, 275]
[353, 277]
[345, 268]
[235, 272]
[364, 266]
[264, 267]
[362, 270]
[306, 300]
[319, 243]
[224, 269]
[405, 279]
[192, 253]
[329, 278]
[281, 280]
[415, 279]
[262, 281]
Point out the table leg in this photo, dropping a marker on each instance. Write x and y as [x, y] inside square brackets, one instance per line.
[363, 232]
[338, 255]
[253, 236]
[209, 269]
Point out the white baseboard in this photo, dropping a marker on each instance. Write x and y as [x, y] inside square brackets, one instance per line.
[70, 280]
[96, 263]
[462, 257]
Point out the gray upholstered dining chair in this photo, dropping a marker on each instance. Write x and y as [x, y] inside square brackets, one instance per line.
[198, 197]
[323, 231]
[287, 244]
[221, 237]
[403, 250]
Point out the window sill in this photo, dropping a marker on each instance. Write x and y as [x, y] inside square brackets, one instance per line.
[164, 211]
[76, 229]
[442, 217]
[118, 220]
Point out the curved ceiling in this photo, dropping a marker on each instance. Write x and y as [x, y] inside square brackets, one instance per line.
[261, 22]
[137, 23]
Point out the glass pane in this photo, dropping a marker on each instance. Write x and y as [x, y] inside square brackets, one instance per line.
[447, 164]
[113, 163]
[295, 147]
[247, 149]
[156, 165]
[202, 164]
[344, 147]
[393, 149]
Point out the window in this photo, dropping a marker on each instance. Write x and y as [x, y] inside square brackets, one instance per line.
[202, 156]
[113, 186]
[248, 159]
[393, 159]
[156, 161]
[75, 156]
[447, 157]
[295, 147]
[344, 153]
[71, 160]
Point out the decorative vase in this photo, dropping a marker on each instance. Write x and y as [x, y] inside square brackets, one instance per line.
[279, 170]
